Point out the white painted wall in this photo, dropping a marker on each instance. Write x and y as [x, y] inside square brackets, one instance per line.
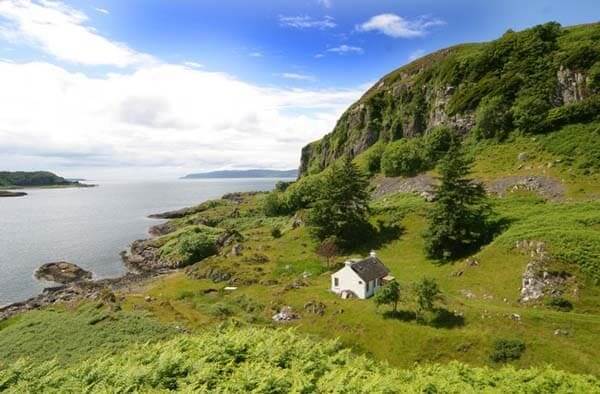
[349, 280]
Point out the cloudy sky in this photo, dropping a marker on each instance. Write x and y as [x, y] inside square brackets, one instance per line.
[119, 88]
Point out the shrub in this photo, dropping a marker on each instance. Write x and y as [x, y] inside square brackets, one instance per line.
[582, 111]
[492, 119]
[436, 143]
[403, 158]
[303, 192]
[529, 112]
[373, 158]
[594, 77]
[189, 247]
[560, 304]
[507, 350]
[276, 232]
[274, 205]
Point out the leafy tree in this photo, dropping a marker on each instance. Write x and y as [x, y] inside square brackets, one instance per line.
[388, 294]
[529, 112]
[403, 158]
[342, 206]
[458, 220]
[436, 143]
[329, 249]
[492, 118]
[274, 205]
[427, 293]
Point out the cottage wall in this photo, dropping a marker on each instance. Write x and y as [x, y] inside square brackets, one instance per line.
[348, 280]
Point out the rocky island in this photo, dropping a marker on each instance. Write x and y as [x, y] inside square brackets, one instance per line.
[62, 272]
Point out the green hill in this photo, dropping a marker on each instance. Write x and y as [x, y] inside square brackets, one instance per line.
[533, 81]
[32, 179]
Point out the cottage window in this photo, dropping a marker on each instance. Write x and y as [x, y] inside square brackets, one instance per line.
[336, 282]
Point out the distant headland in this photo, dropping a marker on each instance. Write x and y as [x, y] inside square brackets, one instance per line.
[28, 179]
[254, 173]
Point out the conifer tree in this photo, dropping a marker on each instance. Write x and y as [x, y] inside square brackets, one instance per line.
[458, 220]
[341, 210]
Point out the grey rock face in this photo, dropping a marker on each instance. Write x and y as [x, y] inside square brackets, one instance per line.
[572, 86]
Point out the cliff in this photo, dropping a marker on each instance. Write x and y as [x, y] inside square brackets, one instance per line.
[530, 79]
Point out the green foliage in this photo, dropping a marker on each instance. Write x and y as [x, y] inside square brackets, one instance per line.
[388, 294]
[594, 77]
[583, 111]
[404, 157]
[72, 336]
[302, 193]
[276, 232]
[436, 143]
[373, 159]
[342, 208]
[529, 112]
[270, 361]
[507, 350]
[560, 304]
[190, 246]
[274, 204]
[493, 118]
[427, 292]
[459, 218]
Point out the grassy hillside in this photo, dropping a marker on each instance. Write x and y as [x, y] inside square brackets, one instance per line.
[267, 361]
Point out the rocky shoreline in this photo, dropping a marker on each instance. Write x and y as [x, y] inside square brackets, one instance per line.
[8, 193]
[141, 260]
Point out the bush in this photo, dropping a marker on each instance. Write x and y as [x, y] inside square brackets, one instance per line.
[507, 350]
[560, 304]
[492, 119]
[436, 143]
[582, 111]
[189, 247]
[403, 158]
[274, 205]
[276, 232]
[373, 158]
[529, 112]
[303, 192]
[594, 77]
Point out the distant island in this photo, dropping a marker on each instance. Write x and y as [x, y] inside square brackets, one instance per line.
[254, 173]
[23, 179]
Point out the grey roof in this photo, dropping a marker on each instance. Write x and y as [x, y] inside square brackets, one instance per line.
[370, 268]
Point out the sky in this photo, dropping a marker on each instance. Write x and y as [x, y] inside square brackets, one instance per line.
[105, 89]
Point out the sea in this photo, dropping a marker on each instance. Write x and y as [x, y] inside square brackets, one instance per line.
[91, 226]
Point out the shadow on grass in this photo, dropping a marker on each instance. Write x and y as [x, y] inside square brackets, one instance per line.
[378, 237]
[400, 315]
[443, 318]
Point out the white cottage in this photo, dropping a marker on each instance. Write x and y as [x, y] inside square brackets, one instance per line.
[360, 278]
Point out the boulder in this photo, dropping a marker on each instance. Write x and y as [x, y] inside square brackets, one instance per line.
[62, 272]
[286, 314]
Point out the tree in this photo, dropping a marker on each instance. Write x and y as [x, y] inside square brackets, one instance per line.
[459, 218]
[328, 249]
[388, 294]
[403, 158]
[427, 293]
[492, 118]
[341, 209]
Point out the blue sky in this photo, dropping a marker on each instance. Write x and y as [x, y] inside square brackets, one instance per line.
[267, 76]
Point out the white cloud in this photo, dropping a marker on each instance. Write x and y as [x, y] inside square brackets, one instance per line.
[319, 55]
[170, 117]
[255, 54]
[193, 64]
[414, 55]
[325, 3]
[297, 77]
[62, 32]
[344, 49]
[398, 27]
[307, 22]
[102, 10]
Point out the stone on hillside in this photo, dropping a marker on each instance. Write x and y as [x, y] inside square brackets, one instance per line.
[62, 272]
[236, 249]
[523, 156]
[316, 307]
[286, 314]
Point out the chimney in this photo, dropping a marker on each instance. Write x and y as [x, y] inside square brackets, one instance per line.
[373, 254]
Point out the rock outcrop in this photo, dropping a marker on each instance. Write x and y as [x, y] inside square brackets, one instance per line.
[62, 272]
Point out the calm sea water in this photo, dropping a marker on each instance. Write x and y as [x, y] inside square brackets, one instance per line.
[90, 226]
